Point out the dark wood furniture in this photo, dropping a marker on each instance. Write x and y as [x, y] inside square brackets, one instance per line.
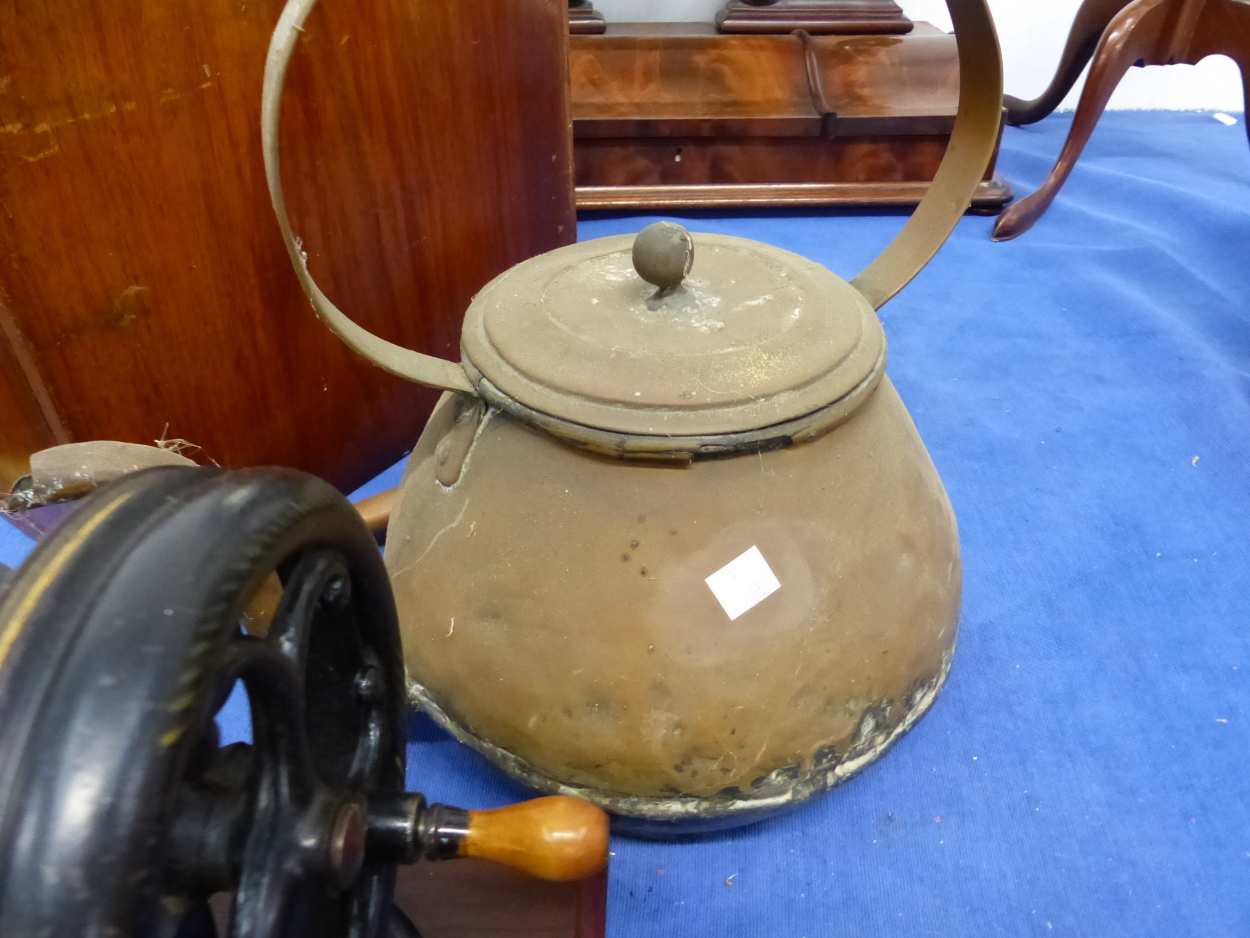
[144, 287]
[584, 18]
[1118, 34]
[675, 115]
[477, 899]
[816, 16]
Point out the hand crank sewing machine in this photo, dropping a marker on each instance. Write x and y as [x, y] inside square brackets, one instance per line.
[121, 638]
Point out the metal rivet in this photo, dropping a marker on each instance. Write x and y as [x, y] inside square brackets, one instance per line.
[368, 684]
[346, 850]
[337, 593]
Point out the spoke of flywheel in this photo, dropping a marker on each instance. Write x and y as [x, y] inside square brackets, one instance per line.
[316, 578]
[283, 786]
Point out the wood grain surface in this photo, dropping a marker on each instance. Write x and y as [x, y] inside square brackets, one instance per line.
[817, 16]
[675, 115]
[473, 898]
[144, 288]
[556, 837]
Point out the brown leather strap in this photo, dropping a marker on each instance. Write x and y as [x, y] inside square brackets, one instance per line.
[967, 155]
[423, 369]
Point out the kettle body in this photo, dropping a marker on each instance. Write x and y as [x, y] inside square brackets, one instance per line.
[556, 612]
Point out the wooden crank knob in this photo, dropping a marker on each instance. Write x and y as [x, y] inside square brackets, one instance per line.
[551, 838]
[556, 838]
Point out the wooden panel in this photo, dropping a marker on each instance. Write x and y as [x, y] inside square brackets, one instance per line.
[583, 18]
[990, 197]
[426, 149]
[684, 79]
[24, 417]
[816, 16]
[478, 899]
[693, 160]
[889, 76]
[642, 79]
[685, 117]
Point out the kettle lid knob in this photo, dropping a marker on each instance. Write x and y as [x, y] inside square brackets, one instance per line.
[663, 253]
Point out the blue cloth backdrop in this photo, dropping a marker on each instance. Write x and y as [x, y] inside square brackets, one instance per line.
[1085, 394]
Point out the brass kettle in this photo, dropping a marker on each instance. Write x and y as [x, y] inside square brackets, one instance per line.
[670, 542]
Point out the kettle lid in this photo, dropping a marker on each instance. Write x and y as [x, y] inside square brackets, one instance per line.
[725, 335]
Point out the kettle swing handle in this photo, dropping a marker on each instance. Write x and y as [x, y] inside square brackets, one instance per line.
[971, 147]
[415, 366]
[972, 144]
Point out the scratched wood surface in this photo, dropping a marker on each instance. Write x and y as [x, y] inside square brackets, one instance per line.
[144, 288]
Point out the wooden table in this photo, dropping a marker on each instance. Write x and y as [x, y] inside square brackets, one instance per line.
[1119, 34]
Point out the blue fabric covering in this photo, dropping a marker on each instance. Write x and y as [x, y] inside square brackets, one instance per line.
[1085, 393]
[15, 546]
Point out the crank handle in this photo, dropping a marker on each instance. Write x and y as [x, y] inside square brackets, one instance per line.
[556, 837]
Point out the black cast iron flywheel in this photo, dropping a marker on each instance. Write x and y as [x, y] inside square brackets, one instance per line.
[121, 638]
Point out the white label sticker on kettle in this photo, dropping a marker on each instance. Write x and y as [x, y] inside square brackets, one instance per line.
[743, 582]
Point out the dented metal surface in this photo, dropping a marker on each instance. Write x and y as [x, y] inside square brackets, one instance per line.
[453, 448]
[880, 726]
[556, 617]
